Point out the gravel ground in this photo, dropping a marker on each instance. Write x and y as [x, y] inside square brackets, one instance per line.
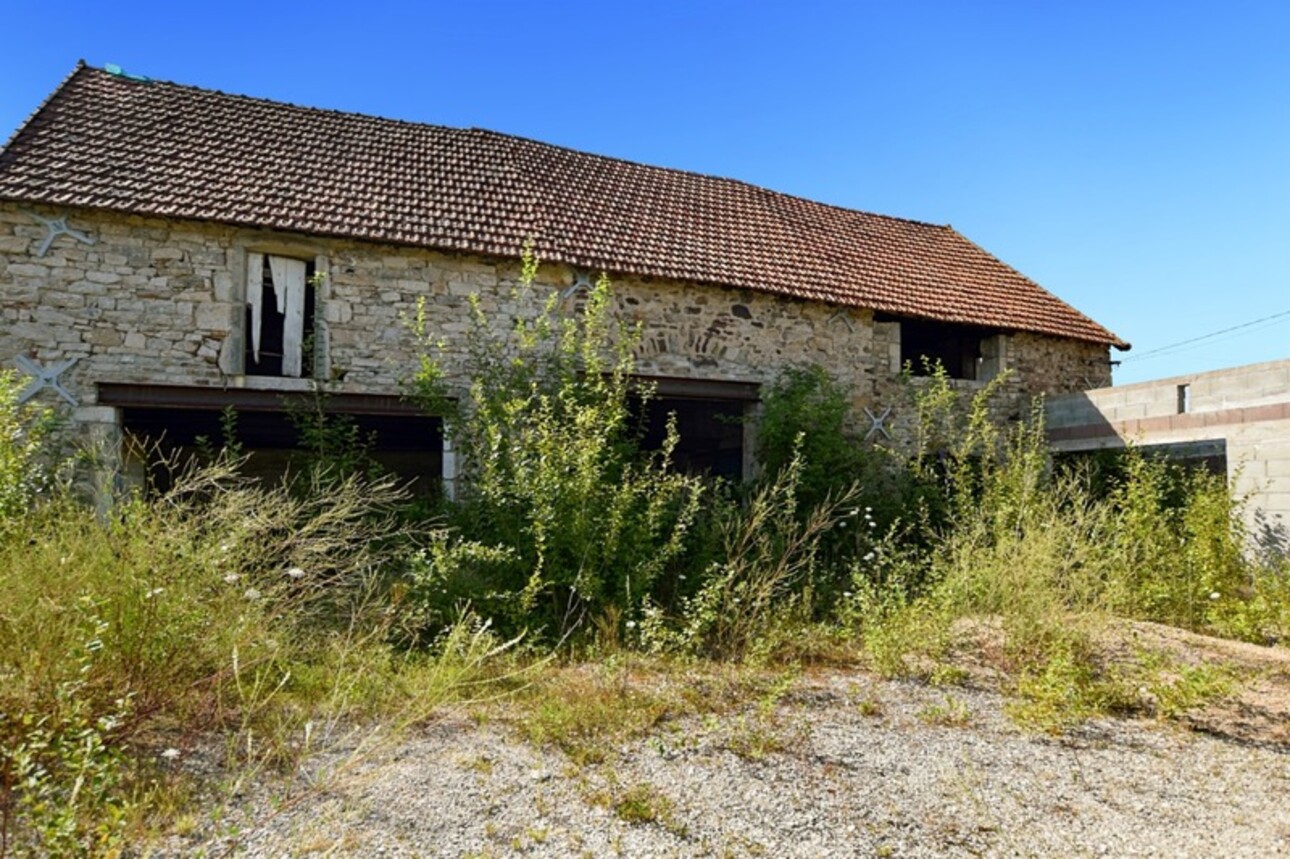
[846, 765]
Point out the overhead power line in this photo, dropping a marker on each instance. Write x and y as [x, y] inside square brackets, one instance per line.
[1153, 353]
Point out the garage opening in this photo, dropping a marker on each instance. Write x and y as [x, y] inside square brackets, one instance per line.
[1106, 466]
[172, 424]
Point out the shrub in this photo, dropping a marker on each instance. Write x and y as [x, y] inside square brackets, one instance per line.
[25, 471]
[804, 418]
[767, 577]
[807, 417]
[1178, 551]
[560, 517]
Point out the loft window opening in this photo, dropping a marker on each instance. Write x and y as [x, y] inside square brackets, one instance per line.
[280, 307]
[965, 351]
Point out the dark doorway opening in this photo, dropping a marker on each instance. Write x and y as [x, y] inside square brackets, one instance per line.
[1106, 467]
[711, 434]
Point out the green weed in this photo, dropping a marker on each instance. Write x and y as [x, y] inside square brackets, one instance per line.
[644, 803]
[952, 712]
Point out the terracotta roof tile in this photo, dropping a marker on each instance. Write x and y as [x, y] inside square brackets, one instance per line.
[155, 148]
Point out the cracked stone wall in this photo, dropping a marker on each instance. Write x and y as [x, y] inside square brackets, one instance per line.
[155, 301]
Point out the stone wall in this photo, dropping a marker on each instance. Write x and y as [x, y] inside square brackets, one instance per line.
[162, 302]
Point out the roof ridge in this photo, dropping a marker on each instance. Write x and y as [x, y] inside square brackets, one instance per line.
[273, 102]
[372, 117]
[22, 126]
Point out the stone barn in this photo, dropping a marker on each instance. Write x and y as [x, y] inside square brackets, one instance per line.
[168, 251]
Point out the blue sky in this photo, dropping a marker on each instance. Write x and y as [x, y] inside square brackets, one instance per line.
[1134, 158]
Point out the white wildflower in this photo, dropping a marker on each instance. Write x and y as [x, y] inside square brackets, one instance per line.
[170, 754]
[631, 624]
[230, 578]
[1214, 595]
[252, 594]
[295, 573]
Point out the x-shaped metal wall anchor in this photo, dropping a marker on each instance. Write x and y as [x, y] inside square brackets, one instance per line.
[57, 227]
[45, 377]
[581, 280]
[877, 423]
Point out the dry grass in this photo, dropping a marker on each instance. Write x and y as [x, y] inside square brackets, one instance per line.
[220, 607]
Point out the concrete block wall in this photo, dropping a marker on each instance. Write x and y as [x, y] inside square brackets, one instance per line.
[1223, 390]
[1246, 407]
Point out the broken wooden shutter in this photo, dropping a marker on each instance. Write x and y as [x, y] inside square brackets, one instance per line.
[289, 286]
[255, 298]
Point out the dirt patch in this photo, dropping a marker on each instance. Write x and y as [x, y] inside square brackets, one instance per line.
[1257, 710]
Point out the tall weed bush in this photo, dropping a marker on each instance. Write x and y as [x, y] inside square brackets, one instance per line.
[25, 466]
[1051, 553]
[807, 417]
[561, 520]
[1177, 562]
[767, 580]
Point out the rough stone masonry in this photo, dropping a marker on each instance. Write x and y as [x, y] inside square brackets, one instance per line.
[162, 302]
